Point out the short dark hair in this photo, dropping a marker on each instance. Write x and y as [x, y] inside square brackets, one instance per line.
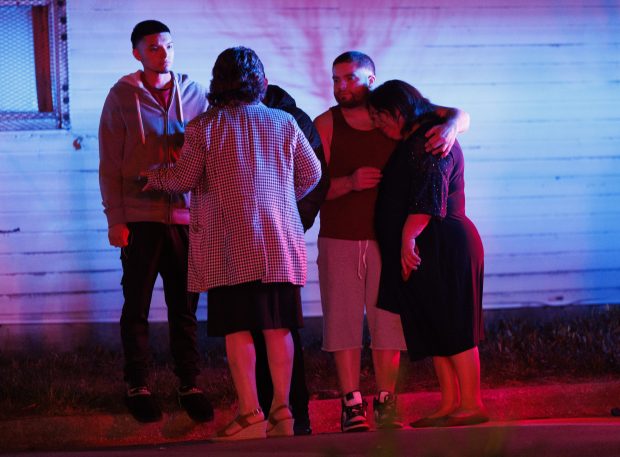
[356, 57]
[396, 96]
[238, 76]
[145, 28]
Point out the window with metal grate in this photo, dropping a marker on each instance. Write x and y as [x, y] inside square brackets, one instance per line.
[34, 89]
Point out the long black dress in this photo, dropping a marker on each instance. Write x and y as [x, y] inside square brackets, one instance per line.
[441, 303]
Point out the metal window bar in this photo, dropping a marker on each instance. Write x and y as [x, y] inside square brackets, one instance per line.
[34, 70]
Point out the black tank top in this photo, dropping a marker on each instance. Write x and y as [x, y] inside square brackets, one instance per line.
[351, 217]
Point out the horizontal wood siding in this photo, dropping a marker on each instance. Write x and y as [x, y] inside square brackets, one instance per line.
[541, 80]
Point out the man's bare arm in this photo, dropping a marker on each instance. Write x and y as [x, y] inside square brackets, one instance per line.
[324, 124]
[362, 178]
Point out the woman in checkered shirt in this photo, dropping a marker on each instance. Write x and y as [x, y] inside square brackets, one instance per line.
[246, 166]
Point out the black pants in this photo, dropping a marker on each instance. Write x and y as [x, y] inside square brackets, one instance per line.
[153, 249]
[298, 397]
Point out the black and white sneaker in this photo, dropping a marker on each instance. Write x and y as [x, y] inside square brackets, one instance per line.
[385, 411]
[353, 417]
[142, 405]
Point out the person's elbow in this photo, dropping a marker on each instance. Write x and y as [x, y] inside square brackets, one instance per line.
[463, 119]
[317, 173]
[306, 186]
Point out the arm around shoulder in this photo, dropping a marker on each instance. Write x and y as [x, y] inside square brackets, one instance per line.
[441, 137]
[458, 117]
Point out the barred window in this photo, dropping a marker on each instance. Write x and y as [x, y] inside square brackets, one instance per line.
[34, 93]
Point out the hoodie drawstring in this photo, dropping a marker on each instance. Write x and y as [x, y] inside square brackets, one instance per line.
[140, 118]
[179, 103]
[178, 91]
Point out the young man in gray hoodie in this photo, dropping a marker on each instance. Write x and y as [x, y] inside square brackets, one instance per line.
[142, 126]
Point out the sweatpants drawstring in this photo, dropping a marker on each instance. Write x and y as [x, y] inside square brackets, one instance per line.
[361, 258]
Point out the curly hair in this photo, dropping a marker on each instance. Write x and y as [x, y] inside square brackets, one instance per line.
[395, 96]
[238, 77]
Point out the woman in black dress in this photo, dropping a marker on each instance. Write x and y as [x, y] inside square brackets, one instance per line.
[432, 255]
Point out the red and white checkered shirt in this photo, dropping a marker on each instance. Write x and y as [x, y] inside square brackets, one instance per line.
[246, 167]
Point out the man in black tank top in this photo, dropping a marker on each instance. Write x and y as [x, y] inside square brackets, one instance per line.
[349, 260]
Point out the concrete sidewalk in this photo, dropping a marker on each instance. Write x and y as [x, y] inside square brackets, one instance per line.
[508, 407]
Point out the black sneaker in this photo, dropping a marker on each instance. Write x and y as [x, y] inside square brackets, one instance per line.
[195, 403]
[353, 417]
[302, 425]
[386, 413]
[142, 405]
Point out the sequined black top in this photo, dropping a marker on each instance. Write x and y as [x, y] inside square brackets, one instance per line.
[415, 182]
[436, 183]
[440, 305]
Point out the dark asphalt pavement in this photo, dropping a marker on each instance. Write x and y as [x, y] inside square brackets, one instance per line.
[535, 438]
[551, 420]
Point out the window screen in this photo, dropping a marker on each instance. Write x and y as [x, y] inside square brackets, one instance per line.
[34, 91]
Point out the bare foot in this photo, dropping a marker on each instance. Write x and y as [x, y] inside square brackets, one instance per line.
[465, 412]
[470, 416]
[443, 411]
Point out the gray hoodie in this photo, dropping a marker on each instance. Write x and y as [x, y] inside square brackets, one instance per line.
[136, 133]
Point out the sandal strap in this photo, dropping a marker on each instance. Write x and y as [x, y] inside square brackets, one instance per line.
[241, 420]
[273, 420]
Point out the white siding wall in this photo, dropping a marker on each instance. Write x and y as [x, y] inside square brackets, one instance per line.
[541, 80]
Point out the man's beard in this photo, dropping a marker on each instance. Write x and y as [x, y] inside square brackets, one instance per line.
[353, 103]
[356, 100]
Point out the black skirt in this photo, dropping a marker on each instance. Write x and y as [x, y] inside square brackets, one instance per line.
[253, 306]
[441, 303]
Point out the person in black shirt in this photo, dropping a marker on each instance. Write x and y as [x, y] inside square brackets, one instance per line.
[432, 255]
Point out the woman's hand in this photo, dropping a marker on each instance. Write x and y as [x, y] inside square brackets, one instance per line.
[409, 258]
[409, 253]
[143, 177]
